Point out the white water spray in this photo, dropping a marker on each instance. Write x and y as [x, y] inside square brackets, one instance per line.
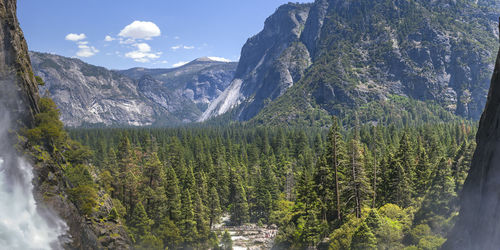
[23, 225]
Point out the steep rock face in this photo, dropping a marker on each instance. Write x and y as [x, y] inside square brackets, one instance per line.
[436, 52]
[185, 91]
[19, 89]
[91, 95]
[478, 225]
[314, 24]
[271, 62]
[19, 97]
[87, 94]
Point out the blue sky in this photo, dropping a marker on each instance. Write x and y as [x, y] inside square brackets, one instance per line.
[143, 33]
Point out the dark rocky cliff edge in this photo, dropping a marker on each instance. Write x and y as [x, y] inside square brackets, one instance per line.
[19, 96]
[19, 92]
[478, 226]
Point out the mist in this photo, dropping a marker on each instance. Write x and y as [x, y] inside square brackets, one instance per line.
[24, 224]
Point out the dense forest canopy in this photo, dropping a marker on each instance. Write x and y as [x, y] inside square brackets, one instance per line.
[362, 188]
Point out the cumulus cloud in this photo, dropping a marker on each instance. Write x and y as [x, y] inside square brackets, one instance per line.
[179, 64]
[75, 37]
[143, 47]
[140, 30]
[109, 39]
[85, 50]
[142, 53]
[218, 59]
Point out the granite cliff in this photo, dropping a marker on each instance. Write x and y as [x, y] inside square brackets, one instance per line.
[477, 226]
[338, 57]
[88, 95]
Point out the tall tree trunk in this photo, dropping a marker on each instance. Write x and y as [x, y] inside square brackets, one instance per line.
[356, 188]
[374, 179]
[335, 166]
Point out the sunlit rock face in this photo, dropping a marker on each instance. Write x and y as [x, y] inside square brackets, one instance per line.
[338, 55]
[478, 226]
[89, 95]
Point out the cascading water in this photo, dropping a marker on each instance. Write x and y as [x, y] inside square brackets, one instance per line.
[23, 225]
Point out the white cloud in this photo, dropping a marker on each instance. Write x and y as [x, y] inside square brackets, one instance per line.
[218, 59]
[177, 38]
[164, 62]
[140, 30]
[75, 37]
[143, 47]
[86, 51]
[109, 39]
[127, 41]
[143, 53]
[83, 42]
[179, 64]
[176, 47]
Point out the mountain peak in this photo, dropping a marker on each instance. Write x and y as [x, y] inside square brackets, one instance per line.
[212, 59]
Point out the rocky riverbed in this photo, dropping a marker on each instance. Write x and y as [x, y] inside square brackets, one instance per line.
[248, 236]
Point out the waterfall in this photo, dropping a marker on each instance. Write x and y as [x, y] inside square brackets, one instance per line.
[23, 224]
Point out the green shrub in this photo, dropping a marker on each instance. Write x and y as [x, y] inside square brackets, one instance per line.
[39, 81]
[48, 130]
[85, 197]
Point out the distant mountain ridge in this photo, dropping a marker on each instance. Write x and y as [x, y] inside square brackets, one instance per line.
[88, 95]
[380, 61]
[333, 57]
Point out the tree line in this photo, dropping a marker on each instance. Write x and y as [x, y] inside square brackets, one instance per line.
[170, 186]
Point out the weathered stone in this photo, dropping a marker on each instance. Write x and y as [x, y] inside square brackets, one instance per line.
[478, 225]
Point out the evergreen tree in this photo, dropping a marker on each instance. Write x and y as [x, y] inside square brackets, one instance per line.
[358, 189]
[239, 206]
[438, 201]
[213, 206]
[173, 206]
[336, 158]
[363, 238]
[422, 173]
[187, 222]
[139, 222]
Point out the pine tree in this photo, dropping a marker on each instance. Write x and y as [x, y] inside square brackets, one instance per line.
[214, 209]
[173, 206]
[336, 158]
[324, 179]
[377, 147]
[462, 163]
[139, 222]
[239, 206]
[438, 201]
[363, 238]
[358, 189]
[187, 222]
[154, 191]
[423, 172]
[169, 233]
